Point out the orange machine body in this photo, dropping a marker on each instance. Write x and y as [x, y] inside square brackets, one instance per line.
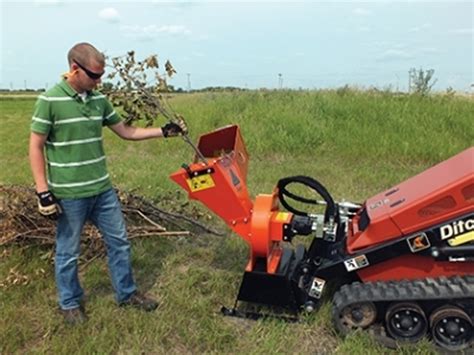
[220, 184]
[440, 193]
[428, 199]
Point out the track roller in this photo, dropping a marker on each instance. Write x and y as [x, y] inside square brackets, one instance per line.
[451, 328]
[406, 321]
[358, 315]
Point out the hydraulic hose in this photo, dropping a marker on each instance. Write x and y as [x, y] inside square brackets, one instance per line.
[313, 184]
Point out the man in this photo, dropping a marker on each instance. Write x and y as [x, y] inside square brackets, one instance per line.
[67, 125]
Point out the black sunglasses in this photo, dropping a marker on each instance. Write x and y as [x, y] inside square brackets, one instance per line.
[90, 74]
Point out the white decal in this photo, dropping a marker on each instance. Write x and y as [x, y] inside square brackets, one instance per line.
[456, 228]
[356, 263]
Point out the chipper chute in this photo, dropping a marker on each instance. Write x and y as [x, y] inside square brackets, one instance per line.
[220, 184]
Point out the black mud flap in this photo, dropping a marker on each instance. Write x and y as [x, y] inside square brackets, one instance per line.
[268, 289]
[263, 295]
[278, 289]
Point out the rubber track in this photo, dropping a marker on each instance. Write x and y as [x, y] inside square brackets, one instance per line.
[455, 288]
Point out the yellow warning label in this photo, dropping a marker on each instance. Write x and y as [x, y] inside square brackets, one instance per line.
[462, 239]
[282, 216]
[201, 182]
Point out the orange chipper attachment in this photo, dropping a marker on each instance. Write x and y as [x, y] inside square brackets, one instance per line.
[221, 186]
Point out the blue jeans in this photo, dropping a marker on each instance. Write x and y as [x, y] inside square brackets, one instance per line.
[105, 213]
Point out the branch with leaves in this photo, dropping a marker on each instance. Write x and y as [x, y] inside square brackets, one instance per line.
[140, 90]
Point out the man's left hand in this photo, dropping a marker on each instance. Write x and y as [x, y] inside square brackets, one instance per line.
[48, 205]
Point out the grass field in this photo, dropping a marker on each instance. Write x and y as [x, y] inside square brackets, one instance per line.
[355, 143]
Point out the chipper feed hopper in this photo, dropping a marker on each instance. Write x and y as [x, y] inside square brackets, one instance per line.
[403, 260]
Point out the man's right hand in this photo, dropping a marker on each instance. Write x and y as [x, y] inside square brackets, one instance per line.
[173, 129]
[48, 206]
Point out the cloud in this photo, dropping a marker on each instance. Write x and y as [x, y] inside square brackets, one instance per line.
[391, 55]
[109, 14]
[152, 31]
[430, 50]
[49, 2]
[462, 31]
[422, 27]
[362, 12]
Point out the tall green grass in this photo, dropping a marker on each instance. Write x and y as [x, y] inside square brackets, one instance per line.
[355, 143]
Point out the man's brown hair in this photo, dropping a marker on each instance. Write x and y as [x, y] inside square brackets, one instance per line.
[84, 53]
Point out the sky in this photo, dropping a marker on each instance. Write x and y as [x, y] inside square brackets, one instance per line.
[248, 44]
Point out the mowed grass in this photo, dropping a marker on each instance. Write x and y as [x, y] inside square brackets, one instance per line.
[355, 143]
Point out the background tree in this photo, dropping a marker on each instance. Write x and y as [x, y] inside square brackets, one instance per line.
[421, 81]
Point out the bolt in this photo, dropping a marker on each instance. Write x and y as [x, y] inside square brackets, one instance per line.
[209, 171]
[461, 330]
[397, 325]
[415, 319]
[456, 320]
[445, 321]
[407, 312]
[441, 330]
[309, 307]
[305, 270]
[397, 316]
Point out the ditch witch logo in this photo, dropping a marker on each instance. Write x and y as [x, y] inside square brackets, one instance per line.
[457, 228]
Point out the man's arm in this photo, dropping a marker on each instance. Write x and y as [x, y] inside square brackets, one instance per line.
[171, 129]
[37, 161]
[135, 133]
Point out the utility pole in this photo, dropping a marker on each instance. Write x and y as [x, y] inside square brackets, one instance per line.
[189, 81]
[409, 81]
[411, 77]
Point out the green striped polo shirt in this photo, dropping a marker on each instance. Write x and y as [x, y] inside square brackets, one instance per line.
[74, 150]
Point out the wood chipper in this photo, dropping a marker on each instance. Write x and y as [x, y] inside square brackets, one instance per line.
[403, 259]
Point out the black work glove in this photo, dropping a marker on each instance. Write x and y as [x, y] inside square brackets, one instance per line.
[48, 206]
[173, 129]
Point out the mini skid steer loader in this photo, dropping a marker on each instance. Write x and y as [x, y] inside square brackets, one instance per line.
[405, 257]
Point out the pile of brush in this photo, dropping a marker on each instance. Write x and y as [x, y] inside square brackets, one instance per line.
[21, 223]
